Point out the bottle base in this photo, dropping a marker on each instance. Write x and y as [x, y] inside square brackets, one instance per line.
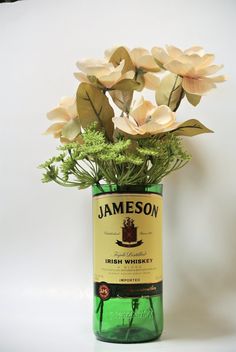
[125, 335]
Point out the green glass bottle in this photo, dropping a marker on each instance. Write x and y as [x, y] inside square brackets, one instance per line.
[128, 304]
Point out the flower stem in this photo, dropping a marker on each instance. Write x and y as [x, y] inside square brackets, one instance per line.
[180, 98]
[153, 314]
[172, 91]
[135, 304]
[99, 306]
[101, 315]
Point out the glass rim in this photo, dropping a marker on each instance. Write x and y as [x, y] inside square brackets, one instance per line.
[105, 188]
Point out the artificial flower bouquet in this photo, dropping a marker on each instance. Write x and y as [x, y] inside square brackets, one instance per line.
[110, 134]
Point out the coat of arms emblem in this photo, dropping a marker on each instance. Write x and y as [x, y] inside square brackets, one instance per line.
[129, 234]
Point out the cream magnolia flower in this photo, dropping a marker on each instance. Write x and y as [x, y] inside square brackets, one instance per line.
[144, 61]
[193, 65]
[67, 125]
[146, 118]
[104, 71]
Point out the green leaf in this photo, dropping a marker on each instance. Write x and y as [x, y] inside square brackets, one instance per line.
[122, 99]
[94, 81]
[140, 79]
[122, 54]
[191, 128]
[93, 105]
[72, 129]
[193, 98]
[126, 84]
[170, 91]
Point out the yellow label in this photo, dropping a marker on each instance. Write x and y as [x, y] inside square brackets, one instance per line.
[127, 238]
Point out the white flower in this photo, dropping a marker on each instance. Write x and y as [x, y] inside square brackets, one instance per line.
[67, 125]
[104, 71]
[193, 65]
[144, 61]
[146, 118]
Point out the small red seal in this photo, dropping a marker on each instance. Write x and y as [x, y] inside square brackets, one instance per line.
[103, 291]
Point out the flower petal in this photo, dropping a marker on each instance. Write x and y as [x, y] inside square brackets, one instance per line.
[137, 53]
[59, 114]
[125, 125]
[160, 54]
[148, 63]
[141, 110]
[206, 60]
[151, 81]
[173, 51]
[113, 76]
[193, 59]
[110, 79]
[67, 101]
[71, 129]
[178, 67]
[72, 110]
[163, 116]
[128, 75]
[209, 70]
[138, 102]
[154, 128]
[194, 50]
[171, 127]
[69, 104]
[94, 67]
[55, 129]
[81, 77]
[219, 79]
[197, 86]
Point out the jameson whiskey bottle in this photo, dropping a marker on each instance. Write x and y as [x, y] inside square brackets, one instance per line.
[127, 263]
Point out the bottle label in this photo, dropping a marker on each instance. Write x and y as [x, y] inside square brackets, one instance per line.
[127, 244]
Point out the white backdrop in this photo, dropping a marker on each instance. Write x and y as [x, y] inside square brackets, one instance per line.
[46, 231]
